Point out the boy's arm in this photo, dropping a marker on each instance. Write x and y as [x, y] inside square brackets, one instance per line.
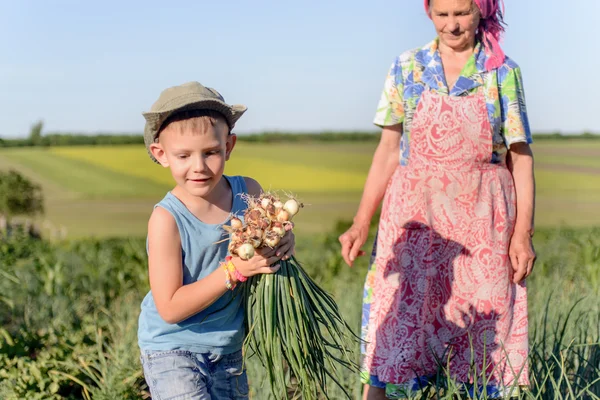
[175, 301]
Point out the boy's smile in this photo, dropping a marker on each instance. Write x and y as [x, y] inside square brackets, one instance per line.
[199, 180]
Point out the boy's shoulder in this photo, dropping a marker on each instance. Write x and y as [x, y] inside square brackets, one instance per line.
[162, 224]
[253, 187]
[162, 217]
[163, 210]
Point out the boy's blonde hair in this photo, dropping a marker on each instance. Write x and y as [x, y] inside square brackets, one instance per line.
[196, 121]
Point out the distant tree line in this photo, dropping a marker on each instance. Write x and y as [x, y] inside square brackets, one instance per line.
[73, 139]
[36, 138]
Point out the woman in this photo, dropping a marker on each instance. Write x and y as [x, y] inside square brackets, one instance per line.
[446, 289]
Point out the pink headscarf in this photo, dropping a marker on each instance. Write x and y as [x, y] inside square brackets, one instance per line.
[490, 29]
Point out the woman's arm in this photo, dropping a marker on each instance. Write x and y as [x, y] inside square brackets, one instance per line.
[521, 250]
[385, 161]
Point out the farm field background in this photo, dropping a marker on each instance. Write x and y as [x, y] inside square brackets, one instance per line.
[110, 190]
[68, 321]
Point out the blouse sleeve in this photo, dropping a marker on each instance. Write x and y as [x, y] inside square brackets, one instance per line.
[515, 122]
[390, 110]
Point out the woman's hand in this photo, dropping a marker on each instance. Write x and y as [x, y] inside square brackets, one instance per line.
[522, 255]
[352, 240]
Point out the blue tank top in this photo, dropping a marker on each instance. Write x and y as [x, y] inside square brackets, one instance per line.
[218, 328]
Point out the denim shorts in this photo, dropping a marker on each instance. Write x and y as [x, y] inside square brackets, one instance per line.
[183, 375]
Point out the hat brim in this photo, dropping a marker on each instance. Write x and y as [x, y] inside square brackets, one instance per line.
[155, 119]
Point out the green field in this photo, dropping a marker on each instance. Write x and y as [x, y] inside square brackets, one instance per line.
[110, 190]
[68, 321]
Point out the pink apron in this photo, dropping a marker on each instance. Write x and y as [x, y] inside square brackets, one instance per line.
[443, 291]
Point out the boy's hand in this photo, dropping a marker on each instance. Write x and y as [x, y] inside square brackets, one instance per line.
[259, 264]
[265, 257]
[285, 248]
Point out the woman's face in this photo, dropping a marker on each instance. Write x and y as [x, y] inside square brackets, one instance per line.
[456, 22]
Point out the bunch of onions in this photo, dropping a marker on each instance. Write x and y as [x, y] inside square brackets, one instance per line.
[291, 322]
[265, 224]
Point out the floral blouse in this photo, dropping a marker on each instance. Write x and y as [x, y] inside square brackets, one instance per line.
[415, 70]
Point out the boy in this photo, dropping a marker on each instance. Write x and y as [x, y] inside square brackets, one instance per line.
[191, 324]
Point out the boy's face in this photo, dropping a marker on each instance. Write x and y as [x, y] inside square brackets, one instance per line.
[196, 159]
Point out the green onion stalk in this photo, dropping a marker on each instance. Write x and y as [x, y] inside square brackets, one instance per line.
[293, 326]
[290, 319]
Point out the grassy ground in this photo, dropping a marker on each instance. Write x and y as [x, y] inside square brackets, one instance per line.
[110, 190]
[68, 321]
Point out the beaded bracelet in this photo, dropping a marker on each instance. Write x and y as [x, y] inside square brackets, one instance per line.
[233, 270]
[228, 283]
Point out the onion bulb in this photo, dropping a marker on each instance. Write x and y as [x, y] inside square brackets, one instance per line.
[237, 235]
[283, 216]
[278, 205]
[263, 223]
[265, 202]
[292, 207]
[278, 228]
[236, 223]
[232, 248]
[254, 231]
[245, 251]
[255, 237]
[272, 240]
[271, 211]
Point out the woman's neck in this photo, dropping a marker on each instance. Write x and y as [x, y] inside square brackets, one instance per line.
[447, 51]
[453, 61]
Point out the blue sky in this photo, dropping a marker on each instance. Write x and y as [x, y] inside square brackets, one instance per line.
[306, 65]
